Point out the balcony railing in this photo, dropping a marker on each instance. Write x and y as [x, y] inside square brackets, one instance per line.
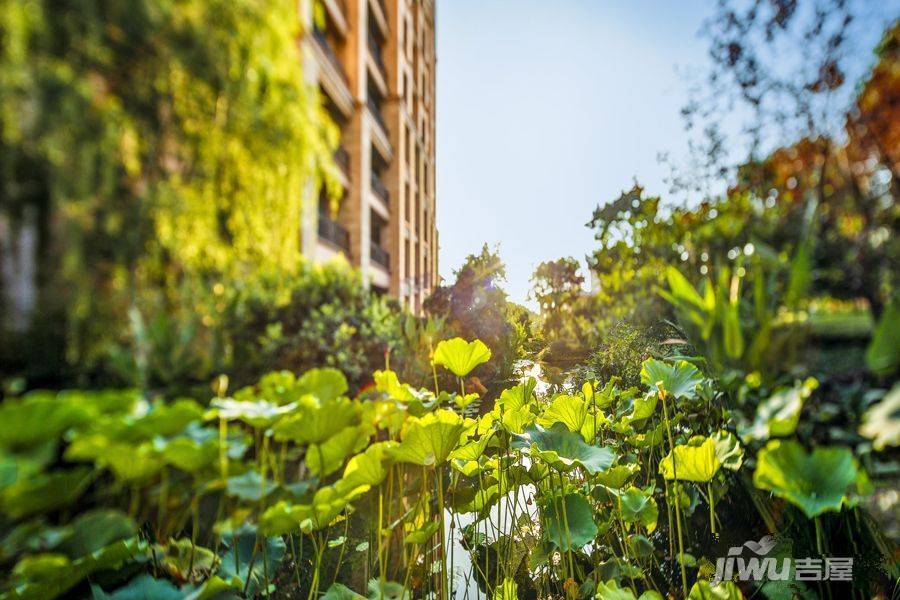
[380, 189]
[327, 48]
[375, 49]
[332, 232]
[380, 256]
[342, 159]
[376, 112]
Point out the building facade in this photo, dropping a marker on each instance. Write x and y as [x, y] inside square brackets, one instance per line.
[374, 62]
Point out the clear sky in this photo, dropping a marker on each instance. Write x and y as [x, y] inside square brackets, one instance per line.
[547, 108]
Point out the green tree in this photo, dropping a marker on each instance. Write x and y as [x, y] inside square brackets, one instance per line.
[557, 286]
[155, 148]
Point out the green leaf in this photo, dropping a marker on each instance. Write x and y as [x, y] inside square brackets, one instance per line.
[188, 454]
[314, 423]
[815, 483]
[883, 353]
[368, 468]
[241, 558]
[428, 441]
[696, 461]
[610, 590]
[615, 477]
[704, 590]
[257, 414]
[389, 590]
[94, 530]
[728, 450]
[507, 590]
[459, 356]
[326, 458]
[564, 449]
[638, 506]
[387, 383]
[339, 591]
[37, 418]
[249, 487]
[44, 492]
[423, 534]
[575, 511]
[679, 380]
[142, 587]
[325, 384]
[778, 415]
[565, 409]
[881, 422]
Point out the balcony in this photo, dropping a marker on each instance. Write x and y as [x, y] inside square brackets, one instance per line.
[342, 158]
[329, 52]
[375, 109]
[380, 256]
[375, 50]
[332, 232]
[380, 189]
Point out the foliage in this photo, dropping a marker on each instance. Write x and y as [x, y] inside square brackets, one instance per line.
[111, 496]
[167, 149]
[475, 306]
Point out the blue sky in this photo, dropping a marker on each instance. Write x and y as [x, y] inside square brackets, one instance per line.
[546, 109]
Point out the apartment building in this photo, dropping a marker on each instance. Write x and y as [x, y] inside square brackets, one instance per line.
[374, 61]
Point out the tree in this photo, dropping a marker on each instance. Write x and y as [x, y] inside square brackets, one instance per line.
[475, 306]
[154, 148]
[557, 287]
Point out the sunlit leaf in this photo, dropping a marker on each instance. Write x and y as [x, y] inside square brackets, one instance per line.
[564, 449]
[638, 506]
[325, 384]
[725, 590]
[778, 415]
[428, 441]
[815, 482]
[565, 409]
[679, 380]
[881, 422]
[459, 356]
[696, 461]
[314, 423]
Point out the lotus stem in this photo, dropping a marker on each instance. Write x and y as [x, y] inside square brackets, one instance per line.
[663, 396]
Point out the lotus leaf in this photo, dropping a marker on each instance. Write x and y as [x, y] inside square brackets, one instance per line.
[339, 591]
[881, 422]
[725, 590]
[728, 450]
[142, 587]
[508, 590]
[94, 530]
[316, 423]
[422, 534]
[459, 356]
[610, 590]
[778, 415]
[575, 511]
[186, 561]
[37, 418]
[44, 492]
[565, 409]
[325, 384]
[367, 468]
[328, 503]
[389, 590]
[257, 414]
[428, 441]
[615, 477]
[249, 487]
[189, 455]
[883, 353]
[696, 461]
[388, 383]
[564, 449]
[464, 401]
[241, 558]
[472, 451]
[815, 482]
[638, 506]
[51, 576]
[128, 462]
[326, 458]
[679, 380]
